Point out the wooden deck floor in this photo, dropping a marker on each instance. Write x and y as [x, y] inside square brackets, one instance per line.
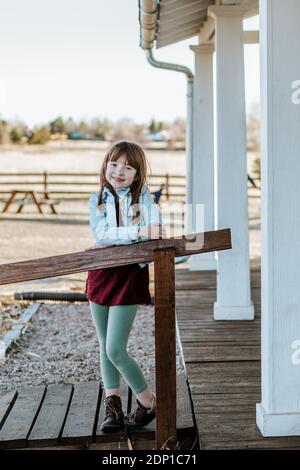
[68, 415]
[223, 366]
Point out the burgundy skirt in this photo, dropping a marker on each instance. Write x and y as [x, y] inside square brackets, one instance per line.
[122, 285]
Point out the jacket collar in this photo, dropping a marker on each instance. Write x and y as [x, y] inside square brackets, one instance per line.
[121, 192]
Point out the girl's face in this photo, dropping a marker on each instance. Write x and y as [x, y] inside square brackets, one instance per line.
[119, 174]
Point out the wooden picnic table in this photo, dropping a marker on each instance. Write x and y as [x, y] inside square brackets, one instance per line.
[28, 195]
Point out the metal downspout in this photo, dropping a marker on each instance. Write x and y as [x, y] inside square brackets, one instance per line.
[189, 126]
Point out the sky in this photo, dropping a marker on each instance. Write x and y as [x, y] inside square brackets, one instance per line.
[82, 59]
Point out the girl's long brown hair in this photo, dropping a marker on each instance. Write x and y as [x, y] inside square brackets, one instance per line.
[136, 158]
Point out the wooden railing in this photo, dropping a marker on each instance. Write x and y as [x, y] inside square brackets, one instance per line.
[80, 185]
[162, 252]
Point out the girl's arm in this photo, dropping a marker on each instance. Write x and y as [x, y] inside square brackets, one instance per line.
[105, 235]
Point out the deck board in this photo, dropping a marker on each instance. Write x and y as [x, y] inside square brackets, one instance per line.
[63, 416]
[223, 366]
[50, 420]
[80, 422]
[6, 403]
[20, 419]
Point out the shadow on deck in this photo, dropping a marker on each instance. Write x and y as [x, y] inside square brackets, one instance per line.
[222, 361]
[68, 416]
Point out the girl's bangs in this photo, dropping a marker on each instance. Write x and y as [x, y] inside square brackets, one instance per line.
[129, 153]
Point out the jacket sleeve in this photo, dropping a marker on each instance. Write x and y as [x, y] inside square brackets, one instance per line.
[103, 233]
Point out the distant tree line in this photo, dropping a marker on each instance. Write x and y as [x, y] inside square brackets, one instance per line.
[95, 129]
[108, 130]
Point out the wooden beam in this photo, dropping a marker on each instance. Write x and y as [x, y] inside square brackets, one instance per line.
[104, 257]
[165, 348]
[207, 30]
[250, 37]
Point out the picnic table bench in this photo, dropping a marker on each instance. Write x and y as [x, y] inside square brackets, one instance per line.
[36, 197]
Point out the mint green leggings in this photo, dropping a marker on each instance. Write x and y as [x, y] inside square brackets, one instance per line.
[113, 325]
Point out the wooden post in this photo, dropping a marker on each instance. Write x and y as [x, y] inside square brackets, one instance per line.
[167, 186]
[231, 164]
[203, 151]
[45, 182]
[279, 410]
[46, 195]
[165, 347]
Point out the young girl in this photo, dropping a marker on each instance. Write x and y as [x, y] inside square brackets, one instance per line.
[122, 212]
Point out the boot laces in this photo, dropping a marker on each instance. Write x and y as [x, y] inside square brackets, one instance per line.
[110, 410]
[138, 413]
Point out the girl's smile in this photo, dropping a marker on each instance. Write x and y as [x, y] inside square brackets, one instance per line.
[119, 174]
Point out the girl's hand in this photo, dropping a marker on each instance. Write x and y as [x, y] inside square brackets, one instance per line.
[153, 231]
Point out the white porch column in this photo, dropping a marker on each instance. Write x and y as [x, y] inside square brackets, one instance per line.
[203, 149]
[233, 275]
[279, 412]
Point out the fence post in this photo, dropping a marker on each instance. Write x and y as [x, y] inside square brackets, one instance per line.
[165, 347]
[45, 183]
[167, 186]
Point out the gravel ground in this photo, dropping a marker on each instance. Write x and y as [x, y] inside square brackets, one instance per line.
[60, 346]
[9, 314]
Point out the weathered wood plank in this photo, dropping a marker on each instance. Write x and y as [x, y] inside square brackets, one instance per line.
[225, 402]
[224, 374]
[224, 377]
[195, 306]
[49, 423]
[220, 369]
[216, 326]
[194, 352]
[17, 426]
[205, 280]
[115, 445]
[6, 403]
[222, 337]
[165, 346]
[208, 295]
[185, 424]
[144, 444]
[112, 256]
[210, 323]
[203, 312]
[224, 432]
[80, 422]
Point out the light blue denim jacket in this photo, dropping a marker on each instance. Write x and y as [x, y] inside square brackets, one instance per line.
[103, 224]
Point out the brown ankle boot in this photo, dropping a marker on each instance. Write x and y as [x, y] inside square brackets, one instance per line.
[113, 420]
[141, 416]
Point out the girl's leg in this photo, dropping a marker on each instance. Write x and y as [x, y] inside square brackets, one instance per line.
[110, 375]
[120, 320]
[146, 398]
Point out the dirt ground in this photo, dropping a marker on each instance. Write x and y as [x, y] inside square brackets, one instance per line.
[30, 235]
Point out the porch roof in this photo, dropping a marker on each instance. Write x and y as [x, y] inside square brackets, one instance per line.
[164, 22]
